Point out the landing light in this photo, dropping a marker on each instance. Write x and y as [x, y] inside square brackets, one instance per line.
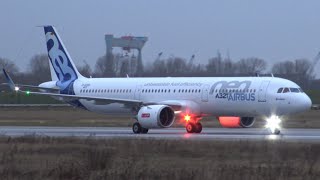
[16, 88]
[273, 123]
[187, 118]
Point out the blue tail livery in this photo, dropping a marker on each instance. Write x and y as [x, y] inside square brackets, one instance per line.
[60, 60]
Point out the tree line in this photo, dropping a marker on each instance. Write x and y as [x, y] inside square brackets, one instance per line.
[118, 65]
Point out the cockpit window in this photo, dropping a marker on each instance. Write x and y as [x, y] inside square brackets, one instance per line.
[300, 90]
[294, 90]
[280, 90]
[286, 90]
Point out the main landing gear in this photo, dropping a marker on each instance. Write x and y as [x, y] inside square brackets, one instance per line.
[192, 127]
[138, 129]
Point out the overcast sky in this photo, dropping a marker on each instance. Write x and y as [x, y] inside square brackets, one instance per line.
[273, 30]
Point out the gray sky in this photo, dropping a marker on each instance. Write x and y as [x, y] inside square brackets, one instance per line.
[273, 30]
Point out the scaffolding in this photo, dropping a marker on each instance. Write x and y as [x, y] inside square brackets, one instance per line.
[127, 43]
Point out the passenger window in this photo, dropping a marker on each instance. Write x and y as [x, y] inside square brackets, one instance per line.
[280, 90]
[286, 90]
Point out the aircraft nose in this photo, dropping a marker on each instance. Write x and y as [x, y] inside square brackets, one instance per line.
[307, 103]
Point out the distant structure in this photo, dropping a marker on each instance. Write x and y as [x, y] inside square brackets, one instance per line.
[127, 43]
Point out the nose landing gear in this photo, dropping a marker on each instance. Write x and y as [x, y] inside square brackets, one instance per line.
[273, 124]
[276, 131]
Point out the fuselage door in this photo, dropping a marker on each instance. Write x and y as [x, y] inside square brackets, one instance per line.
[262, 92]
[205, 92]
[137, 92]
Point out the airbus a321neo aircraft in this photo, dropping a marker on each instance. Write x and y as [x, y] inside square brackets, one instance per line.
[158, 102]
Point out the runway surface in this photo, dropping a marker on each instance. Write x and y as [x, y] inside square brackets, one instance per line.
[170, 133]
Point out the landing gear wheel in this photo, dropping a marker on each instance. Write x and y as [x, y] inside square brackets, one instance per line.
[136, 128]
[190, 127]
[198, 128]
[276, 131]
[144, 130]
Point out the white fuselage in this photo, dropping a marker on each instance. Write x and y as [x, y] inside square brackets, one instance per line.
[216, 96]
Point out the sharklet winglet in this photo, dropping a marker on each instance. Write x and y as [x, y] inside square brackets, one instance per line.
[9, 80]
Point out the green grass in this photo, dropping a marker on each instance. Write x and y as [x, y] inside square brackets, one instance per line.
[314, 95]
[15, 98]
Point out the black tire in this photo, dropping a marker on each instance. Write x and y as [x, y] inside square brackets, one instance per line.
[198, 128]
[276, 131]
[144, 130]
[136, 128]
[190, 127]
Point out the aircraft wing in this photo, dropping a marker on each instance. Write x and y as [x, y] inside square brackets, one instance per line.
[97, 100]
[67, 97]
[31, 86]
[176, 105]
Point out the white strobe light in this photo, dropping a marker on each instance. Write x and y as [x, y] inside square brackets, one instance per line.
[273, 123]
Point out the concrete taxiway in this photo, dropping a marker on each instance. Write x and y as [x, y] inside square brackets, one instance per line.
[170, 133]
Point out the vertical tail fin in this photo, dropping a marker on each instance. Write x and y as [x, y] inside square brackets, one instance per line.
[61, 65]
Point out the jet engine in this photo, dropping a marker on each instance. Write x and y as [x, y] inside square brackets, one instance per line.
[236, 122]
[156, 116]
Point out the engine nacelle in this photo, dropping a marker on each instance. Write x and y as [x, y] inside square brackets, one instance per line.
[236, 122]
[156, 116]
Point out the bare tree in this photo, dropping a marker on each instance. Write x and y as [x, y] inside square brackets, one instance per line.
[85, 70]
[214, 65]
[251, 65]
[297, 70]
[8, 65]
[39, 69]
[302, 66]
[286, 67]
[105, 66]
[176, 66]
[158, 68]
[221, 67]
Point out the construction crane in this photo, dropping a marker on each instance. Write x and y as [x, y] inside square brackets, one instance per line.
[314, 63]
[191, 60]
